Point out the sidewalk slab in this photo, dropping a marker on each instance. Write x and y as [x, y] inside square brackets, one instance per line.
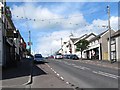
[18, 75]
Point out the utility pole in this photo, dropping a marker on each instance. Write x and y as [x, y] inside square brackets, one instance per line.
[61, 46]
[109, 28]
[51, 51]
[30, 42]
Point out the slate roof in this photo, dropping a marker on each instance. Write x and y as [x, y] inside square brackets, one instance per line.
[89, 35]
[79, 38]
[116, 34]
[74, 39]
[98, 36]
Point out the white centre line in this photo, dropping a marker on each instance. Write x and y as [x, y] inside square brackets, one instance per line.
[58, 74]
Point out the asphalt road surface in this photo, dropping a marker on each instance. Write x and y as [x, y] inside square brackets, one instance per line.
[84, 75]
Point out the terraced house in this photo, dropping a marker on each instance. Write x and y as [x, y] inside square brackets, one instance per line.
[98, 46]
[115, 46]
[12, 45]
[88, 38]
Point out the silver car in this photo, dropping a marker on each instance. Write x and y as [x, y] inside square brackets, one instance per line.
[38, 58]
[58, 56]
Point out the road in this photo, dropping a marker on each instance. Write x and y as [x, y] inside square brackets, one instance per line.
[69, 75]
[43, 77]
[84, 75]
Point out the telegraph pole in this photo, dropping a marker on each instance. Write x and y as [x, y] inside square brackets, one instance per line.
[30, 42]
[109, 28]
[61, 46]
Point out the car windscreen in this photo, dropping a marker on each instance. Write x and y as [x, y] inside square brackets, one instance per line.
[38, 56]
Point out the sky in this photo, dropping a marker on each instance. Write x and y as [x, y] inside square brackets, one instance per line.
[51, 21]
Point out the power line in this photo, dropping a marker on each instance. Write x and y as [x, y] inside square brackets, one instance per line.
[64, 18]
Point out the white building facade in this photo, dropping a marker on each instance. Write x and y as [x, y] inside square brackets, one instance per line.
[86, 37]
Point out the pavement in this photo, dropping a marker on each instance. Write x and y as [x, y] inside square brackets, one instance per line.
[17, 76]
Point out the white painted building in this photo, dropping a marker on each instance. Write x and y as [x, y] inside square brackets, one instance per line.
[65, 48]
[86, 37]
[69, 47]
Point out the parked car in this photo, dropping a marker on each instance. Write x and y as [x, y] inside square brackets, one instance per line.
[38, 58]
[74, 57]
[66, 56]
[51, 57]
[59, 56]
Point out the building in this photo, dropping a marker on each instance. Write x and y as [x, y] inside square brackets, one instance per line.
[23, 51]
[115, 46]
[98, 46]
[69, 47]
[86, 37]
[12, 45]
[9, 43]
[20, 46]
[1, 34]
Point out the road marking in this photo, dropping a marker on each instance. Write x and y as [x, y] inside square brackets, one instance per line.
[87, 68]
[58, 74]
[73, 64]
[94, 72]
[79, 67]
[67, 82]
[62, 78]
[106, 74]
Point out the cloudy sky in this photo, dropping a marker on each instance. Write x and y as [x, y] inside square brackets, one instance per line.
[51, 21]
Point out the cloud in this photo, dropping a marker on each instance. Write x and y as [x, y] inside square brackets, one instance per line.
[60, 28]
[45, 18]
[51, 41]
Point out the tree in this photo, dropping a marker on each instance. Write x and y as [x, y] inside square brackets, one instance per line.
[82, 45]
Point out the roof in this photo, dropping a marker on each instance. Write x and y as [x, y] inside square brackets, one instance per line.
[98, 36]
[89, 35]
[86, 36]
[74, 39]
[116, 34]
[77, 39]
